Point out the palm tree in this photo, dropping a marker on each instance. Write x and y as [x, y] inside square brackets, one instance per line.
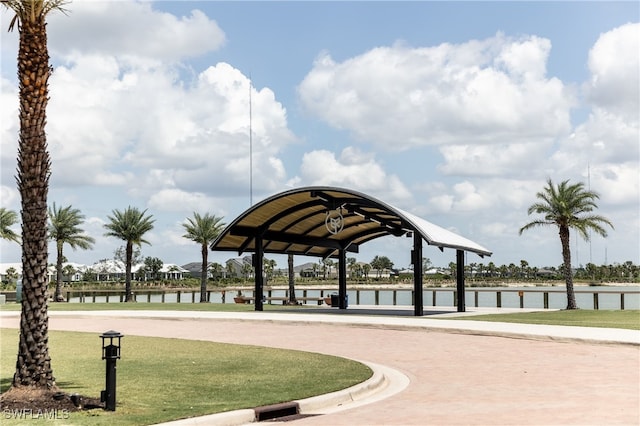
[329, 264]
[33, 366]
[174, 272]
[366, 268]
[568, 206]
[8, 218]
[11, 275]
[129, 225]
[524, 268]
[215, 269]
[351, 265]
[203, 230]
[230, 271]
[64, 228]
[246, 270]
[269, 265]
[69, 271]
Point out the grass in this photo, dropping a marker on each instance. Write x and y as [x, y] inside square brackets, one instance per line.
[628, 319]
[166, 379]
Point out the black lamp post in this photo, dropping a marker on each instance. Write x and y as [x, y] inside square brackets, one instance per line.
[110, 353]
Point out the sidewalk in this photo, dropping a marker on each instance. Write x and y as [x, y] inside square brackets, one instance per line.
[435, 319]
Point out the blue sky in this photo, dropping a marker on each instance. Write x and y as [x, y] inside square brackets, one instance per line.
[455, 111]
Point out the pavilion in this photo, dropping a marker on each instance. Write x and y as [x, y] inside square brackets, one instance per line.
[325, 221]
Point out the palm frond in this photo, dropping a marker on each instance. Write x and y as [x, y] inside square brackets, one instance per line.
[129, 225]
[31, 10]
[568, 205]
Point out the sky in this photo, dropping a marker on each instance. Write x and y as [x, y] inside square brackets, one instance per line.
[458, 112]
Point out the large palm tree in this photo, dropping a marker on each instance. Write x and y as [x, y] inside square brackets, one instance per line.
[129, 225]
[8, 218]
[568, 206]
[203, 230]
[64, 228]
[33, 366]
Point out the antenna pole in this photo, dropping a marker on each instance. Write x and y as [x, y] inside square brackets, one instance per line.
[589, 188]
[250, 147]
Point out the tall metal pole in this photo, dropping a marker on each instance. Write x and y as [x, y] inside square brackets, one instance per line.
[418, 302]
[342, 278]
[589, 188]
[250, 146]
[460, 280]
[259, 280]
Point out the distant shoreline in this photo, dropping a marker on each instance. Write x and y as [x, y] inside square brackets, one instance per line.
[427, 286]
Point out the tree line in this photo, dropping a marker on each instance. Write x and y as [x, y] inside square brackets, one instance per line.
[129, 225]
[616, 272]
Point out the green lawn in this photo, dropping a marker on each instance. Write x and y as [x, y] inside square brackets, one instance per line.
[628, 319]
[166, 379]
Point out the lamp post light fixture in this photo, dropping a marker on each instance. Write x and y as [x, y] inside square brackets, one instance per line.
[110, 353]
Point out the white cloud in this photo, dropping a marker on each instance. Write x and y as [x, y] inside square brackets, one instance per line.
[8, 132]
[10, 198]
[175, 200]
[134, 31]
[123, 114]
[608, 143]
[486, 195]
[604, 137]
[440, 203]
[526, 58]
[468, 198]
[516, 159]
[497, 229]
[353, 169]
[110, 125]
[614, 62]
[489, 91]
[617, 184]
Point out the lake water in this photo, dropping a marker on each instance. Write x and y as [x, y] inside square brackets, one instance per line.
[533, 297]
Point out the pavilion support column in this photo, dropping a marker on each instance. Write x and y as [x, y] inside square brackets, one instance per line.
[460, 280]
[259, 279]
[416, 255]
[342, 278]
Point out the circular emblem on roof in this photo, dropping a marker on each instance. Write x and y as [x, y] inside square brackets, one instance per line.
[334, 221]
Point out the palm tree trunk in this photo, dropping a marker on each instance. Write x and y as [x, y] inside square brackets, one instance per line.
[128, 295]
[203, 275]
[33, 365]
[568, 276]
[58, 295]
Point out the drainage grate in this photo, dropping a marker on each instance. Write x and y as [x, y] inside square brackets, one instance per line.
[292, 418]
[269, 412]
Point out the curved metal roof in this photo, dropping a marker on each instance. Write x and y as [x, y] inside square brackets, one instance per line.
[294, 222]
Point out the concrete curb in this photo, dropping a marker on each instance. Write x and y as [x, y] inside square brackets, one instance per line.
[383, 383]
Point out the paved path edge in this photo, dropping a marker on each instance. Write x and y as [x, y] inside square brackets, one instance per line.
[383, 383]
